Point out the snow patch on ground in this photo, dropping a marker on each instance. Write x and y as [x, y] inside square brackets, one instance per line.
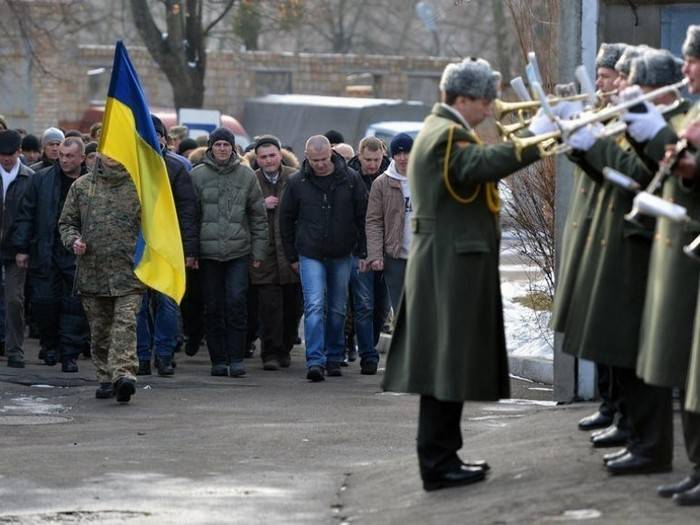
[527, 331]
[31, 405]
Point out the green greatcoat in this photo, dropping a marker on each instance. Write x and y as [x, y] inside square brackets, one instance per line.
[603, 322]
[578, 222]
[669, 309]
[692, 392]
[449, 340]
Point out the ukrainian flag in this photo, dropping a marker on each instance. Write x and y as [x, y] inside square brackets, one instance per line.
[128, 136]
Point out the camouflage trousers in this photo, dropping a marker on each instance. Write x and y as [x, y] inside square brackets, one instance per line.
[113, 335]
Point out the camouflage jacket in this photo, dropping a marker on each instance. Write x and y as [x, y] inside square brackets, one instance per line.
[103, 208]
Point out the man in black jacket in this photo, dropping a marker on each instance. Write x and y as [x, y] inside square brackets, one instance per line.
[63, 327]
[322, 224]
[16, 178]
[157, 320]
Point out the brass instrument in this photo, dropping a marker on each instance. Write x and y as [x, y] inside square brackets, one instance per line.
[568, 127]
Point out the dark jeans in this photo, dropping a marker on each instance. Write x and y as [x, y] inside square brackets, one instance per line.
[394, 272]
[278, 307]
[439, 436]
[192, 307]
[225, 287]
[62, 324]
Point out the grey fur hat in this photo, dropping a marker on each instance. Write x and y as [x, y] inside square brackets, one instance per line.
[609, 54]
[657, 67]
[624, 63]
[472, 77]
[691, 46]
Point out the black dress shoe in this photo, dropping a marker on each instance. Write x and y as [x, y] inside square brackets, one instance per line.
[689, 497]
[597, 420]
[633, 464]
[602, 431]
[315, 374]
[462, 475]
[124, 389]
[477, 463]
[612, 438]
[612, 456]
[684, 485]
[104, 391]
[15, 362]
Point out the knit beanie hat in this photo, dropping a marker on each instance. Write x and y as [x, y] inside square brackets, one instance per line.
[221, 134]
[609, 54]
[90, 147]
[401, 143]
[656, 68]
[30, 143]
[10, 141]
[691, 46]
[624, 63]
[52, 135]
[264, 140]
[186, 144]
[334, 137]
[472, 77]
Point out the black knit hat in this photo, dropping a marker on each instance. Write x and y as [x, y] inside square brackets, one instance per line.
[31, 143]
[401, 143]
[334, 137]
[265, 140]
[186, 144]
[221, 134]
[90, 147]
[10, 141]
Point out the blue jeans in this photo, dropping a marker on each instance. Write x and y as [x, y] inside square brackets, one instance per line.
[394, 272]
[362, 289]
[325, 286]
[157, 329]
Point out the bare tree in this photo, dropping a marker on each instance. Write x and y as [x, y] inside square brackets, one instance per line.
[180, 49]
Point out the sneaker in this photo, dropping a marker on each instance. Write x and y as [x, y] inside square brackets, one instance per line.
[368, 368]
[15, 362]
[124, 388]
[165, 367]
[271, 364]
[144, 368]
[104, 391]
[237, 369]
[285, 361]
[69, 366]
[219, 370]
[315, 374]
[333, 369]
[50, 357]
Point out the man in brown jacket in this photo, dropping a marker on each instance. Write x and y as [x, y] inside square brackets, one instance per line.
[277, 286]
[389, 219]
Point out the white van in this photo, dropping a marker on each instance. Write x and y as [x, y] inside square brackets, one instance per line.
[386, 130]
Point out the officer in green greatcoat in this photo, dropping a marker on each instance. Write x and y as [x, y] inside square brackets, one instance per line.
[578, 220]
[449, 342]
[670, 354]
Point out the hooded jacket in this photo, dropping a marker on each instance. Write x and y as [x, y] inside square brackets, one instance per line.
[321, 224]
[233, 221]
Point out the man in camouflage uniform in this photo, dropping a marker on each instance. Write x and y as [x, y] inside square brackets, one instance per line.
[100, 223]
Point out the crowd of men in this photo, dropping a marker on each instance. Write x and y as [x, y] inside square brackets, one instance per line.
[413, 226]
[256, 227]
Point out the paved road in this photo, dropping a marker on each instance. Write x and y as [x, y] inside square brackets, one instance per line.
[272, 448]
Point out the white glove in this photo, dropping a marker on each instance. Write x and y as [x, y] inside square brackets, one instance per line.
[643, 127]
[567, 109]
[541, 123]
[584, 138]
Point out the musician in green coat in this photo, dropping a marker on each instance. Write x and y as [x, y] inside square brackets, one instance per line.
[449, 343]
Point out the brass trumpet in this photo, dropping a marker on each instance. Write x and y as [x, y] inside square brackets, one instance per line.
[502, 108]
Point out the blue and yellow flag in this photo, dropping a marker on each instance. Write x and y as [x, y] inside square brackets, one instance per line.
[128, 136]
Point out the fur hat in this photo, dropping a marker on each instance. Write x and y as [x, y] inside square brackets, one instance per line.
[654, 68]
[609, 54]
[472, 77]
[52, 135]
[691, 46]
[401, 143]
[624, 63]
[221, 134]
[10, 141]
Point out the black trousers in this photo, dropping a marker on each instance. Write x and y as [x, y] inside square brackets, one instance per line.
[278, 306]
[691, 436]
[192, 307]
[650, 413]
[608, 389]
[439, 435]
